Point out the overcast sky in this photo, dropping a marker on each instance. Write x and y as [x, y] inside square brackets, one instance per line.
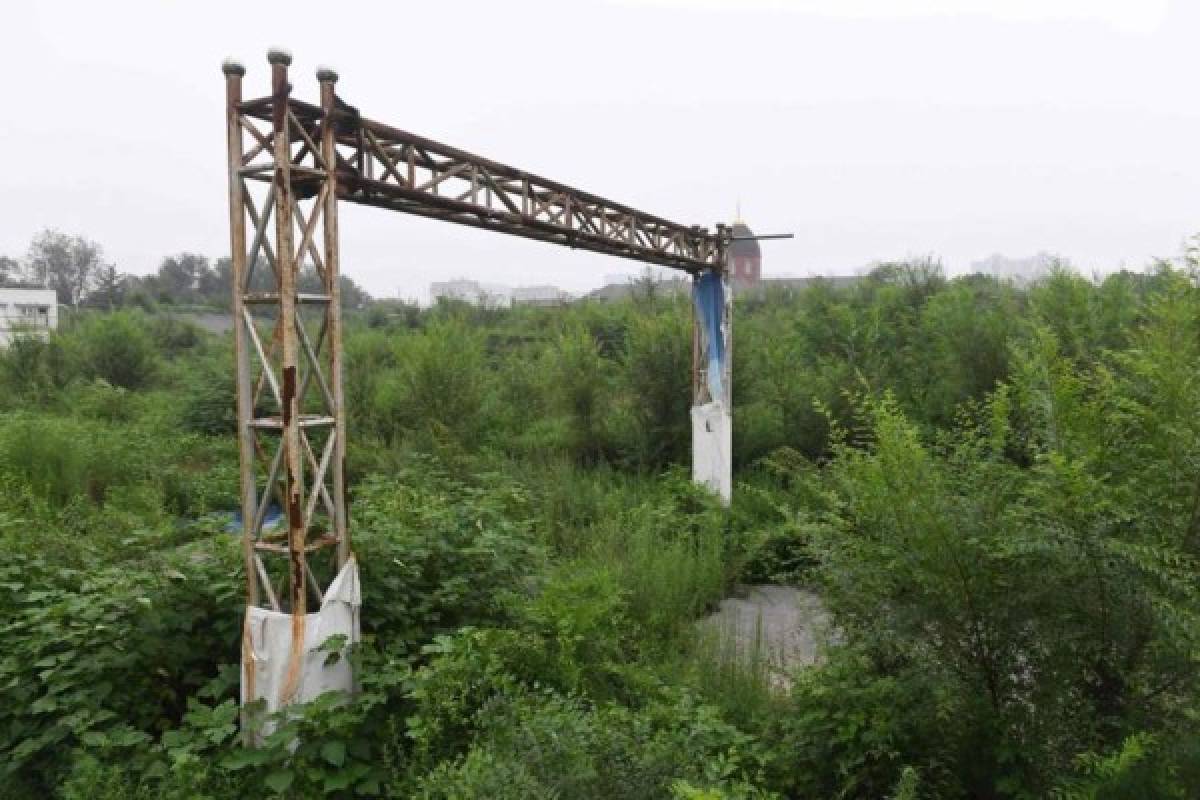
[873, 129]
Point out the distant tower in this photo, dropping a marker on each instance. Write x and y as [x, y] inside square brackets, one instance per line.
[745, 259]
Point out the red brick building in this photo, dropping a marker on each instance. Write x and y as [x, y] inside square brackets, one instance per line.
[745, 259]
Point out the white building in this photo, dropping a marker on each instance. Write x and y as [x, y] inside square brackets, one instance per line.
[539, 296]
[1021, 271]
[475, 293]
[27, 311]
[495, 295]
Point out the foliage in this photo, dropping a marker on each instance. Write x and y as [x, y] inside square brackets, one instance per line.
[579, 392]
[438, 385]
[67, 264]
[118, 348]
[33, 371]
[443, 553]
[554, 746]
[106, 661]
[658, 421]
[994, 489]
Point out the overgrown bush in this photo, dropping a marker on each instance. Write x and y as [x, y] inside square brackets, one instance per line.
[442, 553]
[117, 348]
[105, 659]
[439, 385]
[32, 371]
[547, 745]
[656, 420]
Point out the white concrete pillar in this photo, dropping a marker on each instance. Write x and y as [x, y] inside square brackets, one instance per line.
[712, 405]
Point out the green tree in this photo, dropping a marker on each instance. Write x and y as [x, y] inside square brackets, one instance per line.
[66, 264]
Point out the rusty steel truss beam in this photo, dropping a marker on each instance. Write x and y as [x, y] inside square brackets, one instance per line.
[379, 165]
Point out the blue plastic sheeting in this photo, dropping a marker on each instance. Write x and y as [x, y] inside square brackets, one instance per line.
[272, 519]
[709, 296]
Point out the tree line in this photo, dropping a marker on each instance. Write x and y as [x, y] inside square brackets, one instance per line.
[75, 267]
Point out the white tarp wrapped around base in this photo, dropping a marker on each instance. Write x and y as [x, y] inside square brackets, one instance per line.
[282, 658]
[712, 449]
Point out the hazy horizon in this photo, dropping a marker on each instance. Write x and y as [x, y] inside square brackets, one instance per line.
[994, 127]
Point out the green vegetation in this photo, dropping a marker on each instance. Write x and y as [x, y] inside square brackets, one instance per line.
[995, 489]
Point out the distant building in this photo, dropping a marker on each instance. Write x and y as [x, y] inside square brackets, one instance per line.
[774, 286]
[27, 312]
[539, 296]
[745, 257]
[495, 295]
[1018, 270]
[472, 292]
[617, 278]
[628, 286]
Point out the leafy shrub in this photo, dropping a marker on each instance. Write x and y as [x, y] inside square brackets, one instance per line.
[852, 728]
[443, 554]
[103, 401]
[209, 405]
[482, 774]
[1019, 589]
[174, 335]
[669, 553]
[556, 746]
[1135, 770]
[369, 356]
[105, 661]
[466, 671]
[335, 746]
[117, 348]
[580, 614]
[439, 384]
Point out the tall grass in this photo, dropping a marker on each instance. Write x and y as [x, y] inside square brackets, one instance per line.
[669, 580]
[664, 540]
[62, 459]
[734, 671]
[131, 464]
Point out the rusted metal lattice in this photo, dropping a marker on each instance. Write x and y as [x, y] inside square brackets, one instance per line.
[291, 415]
[289, 164]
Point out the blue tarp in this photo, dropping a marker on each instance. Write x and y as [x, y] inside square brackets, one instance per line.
[271, 519]
[709, 296]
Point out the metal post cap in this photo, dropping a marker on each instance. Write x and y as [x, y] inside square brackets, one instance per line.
[325, 73]
[277, 55]
[231, 66]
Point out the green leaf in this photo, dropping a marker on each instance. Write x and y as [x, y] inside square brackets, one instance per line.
[128, 737]
[93, 739]
[334, 752]
[337, 781]
[279, 781]
[368, 787]
[333, 643]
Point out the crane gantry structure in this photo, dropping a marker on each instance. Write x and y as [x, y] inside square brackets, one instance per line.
[290, 163]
